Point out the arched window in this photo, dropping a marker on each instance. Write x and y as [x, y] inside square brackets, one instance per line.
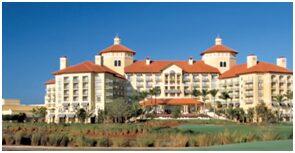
[119, 63]
[224, 64]
[115, 63]
[220, 64]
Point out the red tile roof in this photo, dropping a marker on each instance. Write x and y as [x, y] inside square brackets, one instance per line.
[117, 48]
[171, 101]
[87, 67]
[158, 66]
[219, 48]
[260, 67]
[50, 81]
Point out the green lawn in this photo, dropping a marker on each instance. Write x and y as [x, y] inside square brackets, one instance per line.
[279, 145]
[283, 130]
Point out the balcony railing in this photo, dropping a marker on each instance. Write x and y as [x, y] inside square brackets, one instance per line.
[186, 79]
[158, 79]
[149, 85]
[149, 79]
[139, 79]
[249, 101]
[249, 81]
[173, 91]
[196, 79]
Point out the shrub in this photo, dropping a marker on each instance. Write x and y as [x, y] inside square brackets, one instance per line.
[85, 142]
[18, 137]
[36, 139]
[145, 143]
[270, 135]
[64, 141]
[44, 140]
[121, 143]
[55, 140]
[9, 139]
[104, 142]
[203, 140]
[179, 140]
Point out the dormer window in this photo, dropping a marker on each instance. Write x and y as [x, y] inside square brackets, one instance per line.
[222, 64]
[117, 63]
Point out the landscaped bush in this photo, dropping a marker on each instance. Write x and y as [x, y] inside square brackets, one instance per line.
[85, 142]
[121, 143]
[270, 135]
[104, 142]
[18, 137]
[9, 139]
[36, 139]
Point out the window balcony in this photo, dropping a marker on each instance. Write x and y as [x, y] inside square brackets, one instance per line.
[75, 81]
[196, 79]
[249, 101]
[149, 79]
[185, 79]
[205, 80]
[249, 94]
[139, 85]
[187, 91]
[249, 81]
[158, 79]
[149, 85]
[205, 86]
[85, 79]
[139, 79]
[196, 85]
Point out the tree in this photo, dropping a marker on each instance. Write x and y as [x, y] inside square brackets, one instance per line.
[213, 93]
[204, 94]
[118, 110]
[155, 92]
[261, 111]
[289, 96]
[224, 96]
[21, 117]
[39, 113]
[279, 99]
[196, 93]
[250, 114]
[176, 111]
[81, 114]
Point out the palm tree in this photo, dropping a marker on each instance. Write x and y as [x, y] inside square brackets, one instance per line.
[213, 93]
[224, 96]
[196, 93]
[155, 92]
[279, 99]
[289, 96]
[204, 94]
[81, 114]
[250, 114]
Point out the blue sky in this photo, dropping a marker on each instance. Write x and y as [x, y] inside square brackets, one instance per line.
[35, 35]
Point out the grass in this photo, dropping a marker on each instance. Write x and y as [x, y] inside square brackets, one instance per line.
[155, 133]
[278, 145]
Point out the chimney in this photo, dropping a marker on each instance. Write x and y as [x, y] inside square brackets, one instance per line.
[98, 60]
[117, 40]
[190, 61]
[63, 62]
[147, 61]
[251, 60]
[218, 40]
[282, 61]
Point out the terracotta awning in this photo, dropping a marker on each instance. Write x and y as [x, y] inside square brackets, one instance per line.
[171, 101]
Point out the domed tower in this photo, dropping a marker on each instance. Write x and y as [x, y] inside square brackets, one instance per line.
[116, 57]
[220, 56]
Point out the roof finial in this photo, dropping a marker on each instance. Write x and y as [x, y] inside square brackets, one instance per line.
[218, 40]
[117, 39]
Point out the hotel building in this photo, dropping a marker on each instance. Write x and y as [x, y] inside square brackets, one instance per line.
[115, 73]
